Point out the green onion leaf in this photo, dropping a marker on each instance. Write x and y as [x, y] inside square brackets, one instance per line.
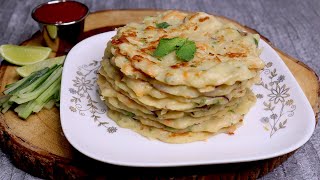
[162, 25]
[130, 114]
[256, 41]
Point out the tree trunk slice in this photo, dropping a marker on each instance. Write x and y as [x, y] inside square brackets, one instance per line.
[38, 146]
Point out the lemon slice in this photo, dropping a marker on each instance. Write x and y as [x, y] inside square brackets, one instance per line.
[24, 55]
[25, 71]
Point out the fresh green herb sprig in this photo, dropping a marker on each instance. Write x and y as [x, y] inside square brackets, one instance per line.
[167, 45]
[185, 49]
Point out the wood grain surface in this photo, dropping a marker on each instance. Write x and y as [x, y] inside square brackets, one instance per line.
[289, 25]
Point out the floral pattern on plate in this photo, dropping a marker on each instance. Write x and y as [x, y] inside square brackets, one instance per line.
[277, 101]
[84, 95]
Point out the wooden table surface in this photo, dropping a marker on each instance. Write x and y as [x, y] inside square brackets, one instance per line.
[291, 25]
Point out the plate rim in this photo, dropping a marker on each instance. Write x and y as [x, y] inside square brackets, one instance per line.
[192, 163]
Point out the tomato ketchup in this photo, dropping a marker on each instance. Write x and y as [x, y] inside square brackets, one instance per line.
[60, 12]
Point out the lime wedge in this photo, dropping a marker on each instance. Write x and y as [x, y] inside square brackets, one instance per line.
[52, 31]
[24, 55]
[25, 71]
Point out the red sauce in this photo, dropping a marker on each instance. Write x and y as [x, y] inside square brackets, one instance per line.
[60, 12]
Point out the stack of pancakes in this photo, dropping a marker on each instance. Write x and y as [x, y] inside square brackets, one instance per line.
[179, 101]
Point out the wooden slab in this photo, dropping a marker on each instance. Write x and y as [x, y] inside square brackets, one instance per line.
[39, 147]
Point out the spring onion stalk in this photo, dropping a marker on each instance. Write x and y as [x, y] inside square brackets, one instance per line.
[41, 89]
[26, 81]
[22, 98]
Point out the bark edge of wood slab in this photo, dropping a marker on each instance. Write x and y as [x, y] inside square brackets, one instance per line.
[68, 163]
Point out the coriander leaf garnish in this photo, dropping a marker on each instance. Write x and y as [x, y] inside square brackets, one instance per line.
[185, 48]
[186, 51]
[256, 41]
[167, 45]
[162, 25]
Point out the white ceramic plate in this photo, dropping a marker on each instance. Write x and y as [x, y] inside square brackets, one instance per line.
[281, 121]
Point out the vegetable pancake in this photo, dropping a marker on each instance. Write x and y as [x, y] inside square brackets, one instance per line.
[180, 77]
